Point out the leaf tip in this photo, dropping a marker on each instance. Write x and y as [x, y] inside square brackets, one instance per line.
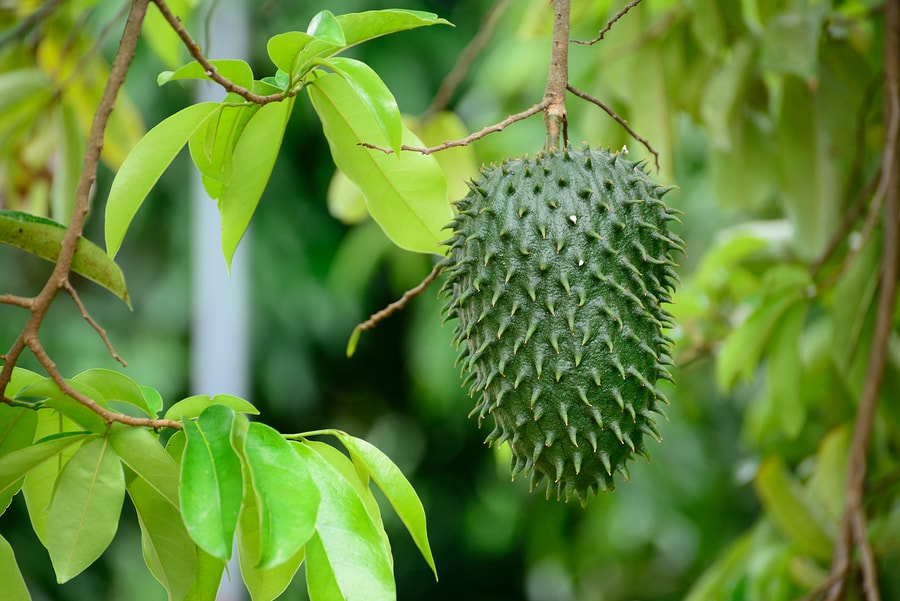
[354, 340]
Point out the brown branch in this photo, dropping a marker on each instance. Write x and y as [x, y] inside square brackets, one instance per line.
[853, 524]
[67, 286]
[555, 118]
[16, 301]
[468, 139]
[467, 57]
[395, 306]
[211, 71]
[619, 120]
[609, 24]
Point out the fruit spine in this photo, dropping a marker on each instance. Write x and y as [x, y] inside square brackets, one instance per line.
[557, 270]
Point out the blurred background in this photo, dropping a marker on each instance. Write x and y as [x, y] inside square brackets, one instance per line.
[767, 117]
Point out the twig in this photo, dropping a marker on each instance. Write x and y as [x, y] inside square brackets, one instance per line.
[16, 301]
[555, 117]
[619, 120]
[609, 24]
[67, 286]
[467, 57]
[211, 71]
[468, 139]
[395, 306]
[853, 524]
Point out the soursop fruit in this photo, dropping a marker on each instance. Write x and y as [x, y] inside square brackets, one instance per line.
[557, 270]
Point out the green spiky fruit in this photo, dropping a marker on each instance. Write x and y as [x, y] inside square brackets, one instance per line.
[557, 270]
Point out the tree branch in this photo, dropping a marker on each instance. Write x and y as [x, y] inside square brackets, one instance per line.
[609, 24]
[395, 306]
[853, 526]
[555, 118]
[211, 71]
[67, 286]
[619, 120]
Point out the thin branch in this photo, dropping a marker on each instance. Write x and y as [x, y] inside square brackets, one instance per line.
[211, 71]
[619, 120]
[609, 24]
[853, 525]
[555, 117]
[467, 57]
[16, 301]
[67, 286]
[395, 306]
[468, 139]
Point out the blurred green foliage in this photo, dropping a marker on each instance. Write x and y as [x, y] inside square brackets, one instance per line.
[767, 115]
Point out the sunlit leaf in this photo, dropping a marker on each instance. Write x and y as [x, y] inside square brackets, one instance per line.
[254, 158]
[396, 488]
[407, 195]
[375, 95]
[160, 36]
[14, 588]
[193, 406]
[236, 71]
[287, 499]
[212, 147]
[459, 164]
[363, 26]
[153, 399]
[18, 463]
[17, 428]
[84, 513]
[144, 165]
[327, 28]
[284, 48]
[345, 201]
[43, 237]
[353, 556]
[74, 410]
[211, 482]
[114, 386]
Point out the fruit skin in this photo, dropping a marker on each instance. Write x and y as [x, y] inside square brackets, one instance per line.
[557, 269]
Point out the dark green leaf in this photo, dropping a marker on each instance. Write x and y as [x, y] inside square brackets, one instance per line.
[236, 71]
[84, 513]
[211, 482]
[287, 499]
[144, 165]
[254, 158]
[396, 488]
[43, 238]
[354, 555]
[168, 550]
[14, 588]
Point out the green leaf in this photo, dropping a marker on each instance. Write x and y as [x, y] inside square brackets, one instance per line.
[790, 41]
[459, 164]
[14, 588]
[367, 25]
[21, 378]
[17, 428]
[43, 238]
[141, 451]
[74, 410]
[114, 386]
[353, 553]
[212, 147]
[326, 27]
[68, 168]
[193, 406]
[788, 505]
[237, 71]
[784, 370]
[406, 194]
[254, 158]
[18, 463]
[287, 499]
[829, 481]
[211, 482]
[168, 550]
[321, 581]
[160, 36]
[378, 99]
[143, 167]
[153, 399]
[84, 513]
[396, 488]
[209, 578]
[264, 584]
[345, 201]
[284, 48]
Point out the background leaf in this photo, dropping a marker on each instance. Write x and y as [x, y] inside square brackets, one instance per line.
[14, 588]
[237, 71]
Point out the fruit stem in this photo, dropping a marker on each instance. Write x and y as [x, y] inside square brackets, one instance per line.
[558, 78]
